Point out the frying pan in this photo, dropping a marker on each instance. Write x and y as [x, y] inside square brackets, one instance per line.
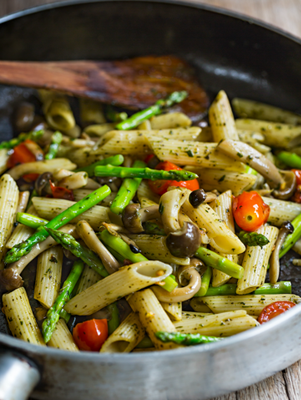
[239, 55]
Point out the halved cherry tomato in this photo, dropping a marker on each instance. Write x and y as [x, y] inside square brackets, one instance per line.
[61, 192]
[273, 310]
[30, 177]
[249, 211]
[91, 335]
[160, 186]
[297, 195]
[21, 155]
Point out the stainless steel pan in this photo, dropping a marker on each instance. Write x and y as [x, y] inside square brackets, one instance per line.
[229, 52]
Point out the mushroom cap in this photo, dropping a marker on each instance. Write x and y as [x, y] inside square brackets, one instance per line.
[10, 279]
[131, 218]
[185, 242]
[42, 183]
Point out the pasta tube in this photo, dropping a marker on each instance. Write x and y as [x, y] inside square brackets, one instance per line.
[121, 283]
[153, 317]
[22, 232]
[58, 113]
[61, 337]
[281, 211]
[253, 304]
[91, 112]
[170, 121]
[4, 156]
[87, 279]
[221, 119]
[48, 276]
[20, 318]
[255, 262]
[9, 197]
[126, 337]
[173, 310]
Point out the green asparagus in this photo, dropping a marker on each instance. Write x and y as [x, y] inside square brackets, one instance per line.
[114, 160]
[113, 115]
[56, 140]
[206, 278]
[186, 339]
[221, 263]
[145, 343]
[253, 239]
[126, 191]
[60, 220]
[290, 159]
[283, 287]
[117, 244]
[292, 238]
[30, 220]
[156, 109]
[35, 135]
[85, 254]
[144, 173]
[114, 321]
[53, 313]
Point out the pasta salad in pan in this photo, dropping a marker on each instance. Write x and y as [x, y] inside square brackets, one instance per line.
[147, 232]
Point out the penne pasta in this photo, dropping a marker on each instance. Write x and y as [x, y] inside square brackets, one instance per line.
[22, 232]
[173, 310]
[121, 283]
[62, 338]
[170, 121]
[87, 279]
[281, 211]
[48, 276]
[50, 208]
[4, 156]
[58, 113]
[20, 318]
[126, 337]
[255, 262]
[91, 112]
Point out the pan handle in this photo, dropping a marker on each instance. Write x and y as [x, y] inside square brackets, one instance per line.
[18, 376]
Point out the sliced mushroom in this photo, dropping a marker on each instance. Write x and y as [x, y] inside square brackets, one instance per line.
[133, 216]
[10, 278]
[286, 228]
[183, 293]
[88, 235]
[240, 151]
[170, 206]
[42, 185]
[290, 186]
[185, 241]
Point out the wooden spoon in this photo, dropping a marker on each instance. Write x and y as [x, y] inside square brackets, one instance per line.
[134, 83]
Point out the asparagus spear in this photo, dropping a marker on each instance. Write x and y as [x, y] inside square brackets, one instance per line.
[114, 322]
[114, 160]
[30, 220]
[53, 313]
[56, 140]
[117, 244]
[292, 238]
[69, 243]
[221, 263]
[60, 220]
[23, 136]
[206, 278]
[126, 191]
[113, 115]
[186, 339]
[145, 343]
[253, 239]
[283, 287]
[144, 173]
[290, 159]
[157, 108]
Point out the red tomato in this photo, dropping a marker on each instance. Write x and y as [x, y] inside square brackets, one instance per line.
[249, 211]
[91, 335]
[297, 173]
[61, 192]
[21, 155]
[160, 186]
[297, 195]
[30, 177]
[273, 310]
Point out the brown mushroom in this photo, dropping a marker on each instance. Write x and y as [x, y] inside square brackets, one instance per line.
[182, 293]
[274, 270]
[289, 188]
[10, 278]
[42, 185]
[24, 116]
[199, 196]
[133, 216]
[184, 242]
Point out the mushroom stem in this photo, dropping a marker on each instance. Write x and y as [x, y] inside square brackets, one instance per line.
[243, 152]
[274, 270]
[183, 293]
[88, 235]
[10, 278]
[170, 206]
[133, 217]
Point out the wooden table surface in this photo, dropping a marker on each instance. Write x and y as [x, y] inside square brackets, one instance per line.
[285, 14]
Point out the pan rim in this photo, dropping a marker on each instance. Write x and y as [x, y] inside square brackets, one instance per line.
[17, 344]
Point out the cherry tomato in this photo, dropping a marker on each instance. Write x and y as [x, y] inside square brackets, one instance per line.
[297, 195]
[249, 211]
[21, 155]
[273, 310]
[160, 186]
[91, 335]
[61, 192]
[30, 177]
